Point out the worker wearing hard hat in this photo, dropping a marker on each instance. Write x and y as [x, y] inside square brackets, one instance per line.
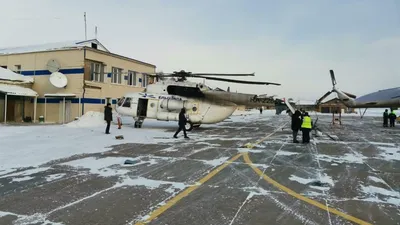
[306, 127]
[392, 118]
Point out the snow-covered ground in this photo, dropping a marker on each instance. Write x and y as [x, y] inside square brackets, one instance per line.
[31, 146]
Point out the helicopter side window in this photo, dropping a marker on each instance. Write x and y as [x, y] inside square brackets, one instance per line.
[127, 103]
[121, 101]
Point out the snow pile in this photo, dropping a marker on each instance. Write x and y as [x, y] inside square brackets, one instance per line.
[89, 119]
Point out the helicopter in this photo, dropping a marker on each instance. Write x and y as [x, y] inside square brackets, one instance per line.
[164, 99]
[389, 98]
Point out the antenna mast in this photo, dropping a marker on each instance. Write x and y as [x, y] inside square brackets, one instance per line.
[84, 15]
[95, 32]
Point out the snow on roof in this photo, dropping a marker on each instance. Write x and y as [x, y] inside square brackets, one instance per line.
[17, 90]
[6, 74]
[52, 47]
[305, 102]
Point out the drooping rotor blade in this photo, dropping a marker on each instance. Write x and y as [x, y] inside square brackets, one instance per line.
[223, 74]
[160, 74]
[350, 95]
[323, 97]
[239, 81]
[333, 77]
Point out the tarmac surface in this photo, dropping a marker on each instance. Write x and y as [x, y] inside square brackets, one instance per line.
[232, 173]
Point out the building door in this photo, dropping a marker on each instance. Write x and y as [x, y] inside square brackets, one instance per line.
[1, 110]
[142, 107]
[67, 111]
[19, 110]
[10, 109]
[325, 110]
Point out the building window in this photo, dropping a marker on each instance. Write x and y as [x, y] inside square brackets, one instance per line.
[97, 72]
[132, 78]
[127, 103]
[18, 69]
[116, 75]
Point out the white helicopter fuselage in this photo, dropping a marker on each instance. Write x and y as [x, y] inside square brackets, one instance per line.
[156, 103]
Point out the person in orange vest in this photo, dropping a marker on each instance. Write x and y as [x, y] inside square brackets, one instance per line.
[306, 127]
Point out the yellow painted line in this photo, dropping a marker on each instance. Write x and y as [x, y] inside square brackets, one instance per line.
[300, 197]
[187, 191]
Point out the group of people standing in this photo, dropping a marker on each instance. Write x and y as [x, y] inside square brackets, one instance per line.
[301, 121]
[389, 117]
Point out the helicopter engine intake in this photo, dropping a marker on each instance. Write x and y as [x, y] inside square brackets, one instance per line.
[172, 104]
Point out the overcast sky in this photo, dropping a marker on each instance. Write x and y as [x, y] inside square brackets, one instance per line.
[294, 43]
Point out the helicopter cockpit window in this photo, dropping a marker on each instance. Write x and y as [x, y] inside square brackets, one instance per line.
[121, 101]
[127, 103]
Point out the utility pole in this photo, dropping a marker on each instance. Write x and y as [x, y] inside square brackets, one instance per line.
[84, 15]
[95, 32]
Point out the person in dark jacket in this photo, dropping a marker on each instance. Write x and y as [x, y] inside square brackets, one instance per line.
[392, 118]
[108, 116]
[181, 123]
[296, 125]
[385, 118]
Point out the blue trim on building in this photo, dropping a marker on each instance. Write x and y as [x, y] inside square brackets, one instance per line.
[109, 75]
[46, 72]
[74, 100]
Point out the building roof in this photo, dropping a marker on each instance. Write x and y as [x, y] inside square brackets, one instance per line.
[333, 100]
[17, 90]
[305, 102]
[77, 44]
[8, 75]
[52, 47]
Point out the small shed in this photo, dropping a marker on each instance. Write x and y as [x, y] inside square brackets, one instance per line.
[15, 93]
[334, 106]
[306, 105]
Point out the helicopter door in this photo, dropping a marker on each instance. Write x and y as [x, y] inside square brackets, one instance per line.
[142, 107]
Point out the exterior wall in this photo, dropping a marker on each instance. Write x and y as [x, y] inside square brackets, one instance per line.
[90, 94]
[34, 64]
[107, 90]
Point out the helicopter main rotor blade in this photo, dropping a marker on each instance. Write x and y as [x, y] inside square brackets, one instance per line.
[222, 74]
[350, 95]
[323, 97]
[239, 81]
[333, 79]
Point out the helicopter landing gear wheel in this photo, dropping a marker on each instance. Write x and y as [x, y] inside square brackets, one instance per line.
[189, 126]
[138, 124]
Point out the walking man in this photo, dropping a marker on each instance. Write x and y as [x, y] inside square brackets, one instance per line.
[385, 118]
[108, 116]
[392, 118]
[181, 123]
[306, 127]
[296, 124]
